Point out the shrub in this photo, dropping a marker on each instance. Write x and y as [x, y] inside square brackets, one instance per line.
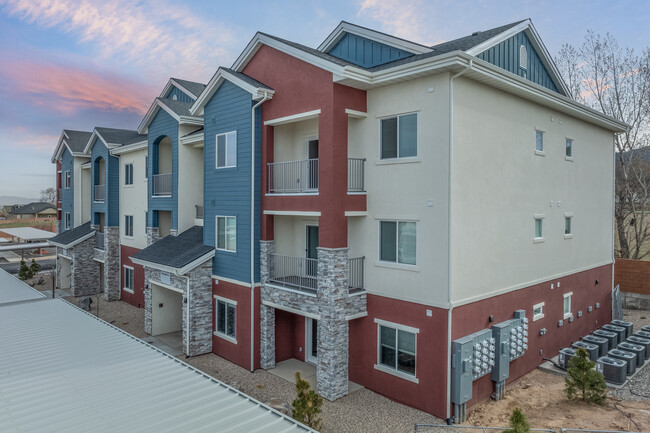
[34, 267]
[518, 423]
[24, 273]
[307, 404]
[583, 381]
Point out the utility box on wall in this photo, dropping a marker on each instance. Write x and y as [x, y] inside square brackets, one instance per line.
[473, 357]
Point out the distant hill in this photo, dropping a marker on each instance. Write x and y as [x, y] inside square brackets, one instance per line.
[6, 200]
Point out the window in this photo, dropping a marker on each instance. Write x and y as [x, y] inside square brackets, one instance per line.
[567, 226]
[399, 136]
[523, 57]
[539, 228]
[128, 225]
[67, 220]
[568, 148]
[68, 179]
[227, 150]
[397, 242]
[146, 167]
[226, 319]
[226, 233]
[396, 349]
[128, 279]
[567, 305]
[539, 141]
[128, 174]
[538, 311]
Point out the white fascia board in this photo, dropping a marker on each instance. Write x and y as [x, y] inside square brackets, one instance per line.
[167, 110]
[58, 150]
[193, 139]
[190, 120]
[292, 213]
[383, 38]
[176, 271]
[88, 147]
[146, 120]
[86, 165]
[129, 148]
[495, 40]
[293, 118]
[167, 88]
[75, 242]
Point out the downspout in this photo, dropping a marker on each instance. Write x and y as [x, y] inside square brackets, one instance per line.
[450, 305]
[264, 99]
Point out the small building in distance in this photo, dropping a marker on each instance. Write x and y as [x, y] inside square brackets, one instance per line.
[34, 211]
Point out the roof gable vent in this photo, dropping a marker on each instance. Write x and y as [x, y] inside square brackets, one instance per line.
[523, 57]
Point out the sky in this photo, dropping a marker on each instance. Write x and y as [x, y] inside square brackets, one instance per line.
[77, 64]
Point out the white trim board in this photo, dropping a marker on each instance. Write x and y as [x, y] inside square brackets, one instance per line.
[293, 118]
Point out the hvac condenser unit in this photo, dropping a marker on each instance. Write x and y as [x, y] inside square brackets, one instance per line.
[628, 357]
[592, 349]
[638, 350]
[601, 342]
[565, 356]
[644, 334]
[645, 328]
[612, 337]
[614, 370]
[629, 326]
[618, 330]
[645, 342]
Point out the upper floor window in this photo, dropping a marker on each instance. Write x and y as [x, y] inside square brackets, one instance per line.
[399, 136]
[67, 220]
[523, 57]
[568, 229]
[226, 233]
[68, 179]
[539, 141]
[227, 149]
[128, 225]
[128, 174]
[568, 148]
[397, 242]
[567, 305]
[539, 228]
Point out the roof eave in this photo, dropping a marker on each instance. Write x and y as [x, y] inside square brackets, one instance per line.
[75, 242]
[133, 147]
[176, 271]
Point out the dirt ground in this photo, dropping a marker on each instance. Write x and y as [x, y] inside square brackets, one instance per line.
[540, 396]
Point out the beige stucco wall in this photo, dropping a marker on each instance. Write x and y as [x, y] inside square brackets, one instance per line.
[86, 197]
[80, 208]
[290, 140]
[500, 184]
[133, 199]
[290, 234]
[190, 181]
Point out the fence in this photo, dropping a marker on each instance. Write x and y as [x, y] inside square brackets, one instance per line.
[633, 277]
[293, 177]
[485, 429]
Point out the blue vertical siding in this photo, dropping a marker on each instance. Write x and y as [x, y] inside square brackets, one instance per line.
[67, 201]
[161, 126]
[506, 55]
[227, 190]
[180, 95]
[111, 204]
[365, 52]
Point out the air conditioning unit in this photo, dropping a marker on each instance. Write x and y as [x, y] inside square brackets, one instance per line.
[637, 349]
[645, 328]
[592, 349]
[618, 330]
[645, 342]
[614, 370]
[644, 334]
[629, 326]
[601, 342]
[629, 357]
[565, 356]
[612, 337]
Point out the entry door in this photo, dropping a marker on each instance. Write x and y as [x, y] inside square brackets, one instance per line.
[311, 250]
[311, 340]
[312, 174]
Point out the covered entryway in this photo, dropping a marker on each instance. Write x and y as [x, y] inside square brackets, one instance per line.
[167, 309]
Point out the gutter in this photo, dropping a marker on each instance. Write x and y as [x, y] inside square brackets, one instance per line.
[450, 305]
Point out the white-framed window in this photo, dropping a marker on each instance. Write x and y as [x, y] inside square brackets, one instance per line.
[68, 179]
[128, 279]
[226, 318]
[226, 233]
[523, 57]
[538, 311]
[397, 349]
[539, 228]
[568, 149]
[568, 226]
[226, 150]
[128, 174]
[66, 218]
[398, 242]
[399, 136]
[128, 225]
[567, 305]
[539, 142]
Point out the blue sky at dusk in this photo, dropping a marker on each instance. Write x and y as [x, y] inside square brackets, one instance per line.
[79, 64]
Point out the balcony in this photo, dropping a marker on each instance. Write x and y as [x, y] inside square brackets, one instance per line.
[100, 194]
[356, 174]
[99, 240]
[301, 273]
[293, 177]
[162, 185]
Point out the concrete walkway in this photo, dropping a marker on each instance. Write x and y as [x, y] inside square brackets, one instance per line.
[287, 371]
[171, 343]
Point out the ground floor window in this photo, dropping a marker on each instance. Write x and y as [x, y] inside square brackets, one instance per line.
[128, 279]
[226, 318]
[396, 348]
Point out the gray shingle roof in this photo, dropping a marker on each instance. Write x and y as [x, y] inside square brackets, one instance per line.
[252, 81]
[33, 208]
[313, 51]
[197, 132]
[121, 136]
[178, 107]
[69, 236]
[176, 251]
[77, 140]
[192, 86]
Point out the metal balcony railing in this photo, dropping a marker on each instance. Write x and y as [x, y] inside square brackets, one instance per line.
[301, 273]
[100, 193]
[99, 240]
[356, 174]
[293, 177]
[162, 184]
[355, 278]
[199, 212]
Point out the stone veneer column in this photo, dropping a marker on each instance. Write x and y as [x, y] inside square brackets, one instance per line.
[266, 261]
[267, 314]
[153, 235]
[333, 334]
[200, 299]
[148, 274]
[112, 271]
[84, 279]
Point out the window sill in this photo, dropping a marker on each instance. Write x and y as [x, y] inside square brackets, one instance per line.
[225, 337]
[568, 236]
[540, 153]
[538, 317]
[568, 315]
[397, 373]
[400, 266]
[127, 290]
[568, 158]
[410, 160]
[225, 251]
[161, 196]
[128, 186]
[538, 240]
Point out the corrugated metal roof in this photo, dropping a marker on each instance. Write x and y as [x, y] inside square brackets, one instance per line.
[62, 369]
[29, 233]
[14, 290]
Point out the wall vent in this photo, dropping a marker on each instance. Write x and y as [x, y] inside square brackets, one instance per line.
[523, 57]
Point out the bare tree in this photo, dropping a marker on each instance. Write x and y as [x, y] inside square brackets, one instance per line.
[48, 195]
[616, 81]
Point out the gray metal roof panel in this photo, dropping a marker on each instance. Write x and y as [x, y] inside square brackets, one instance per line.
[120, 136]
[77, 140]
[176, 251]
[191, 86]
[14, 290]
[69, 236]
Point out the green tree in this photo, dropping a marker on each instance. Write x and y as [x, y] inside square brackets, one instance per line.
[25, 272]
[583, 381]
[307, 404]
[34, 268]
[518, 423]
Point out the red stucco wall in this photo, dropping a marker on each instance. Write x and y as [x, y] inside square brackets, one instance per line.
[137, 297]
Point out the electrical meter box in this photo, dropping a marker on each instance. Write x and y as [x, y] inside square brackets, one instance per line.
[511, 341]
[473, 357]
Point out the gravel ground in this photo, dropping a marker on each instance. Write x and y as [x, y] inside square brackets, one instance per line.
[637, 388]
